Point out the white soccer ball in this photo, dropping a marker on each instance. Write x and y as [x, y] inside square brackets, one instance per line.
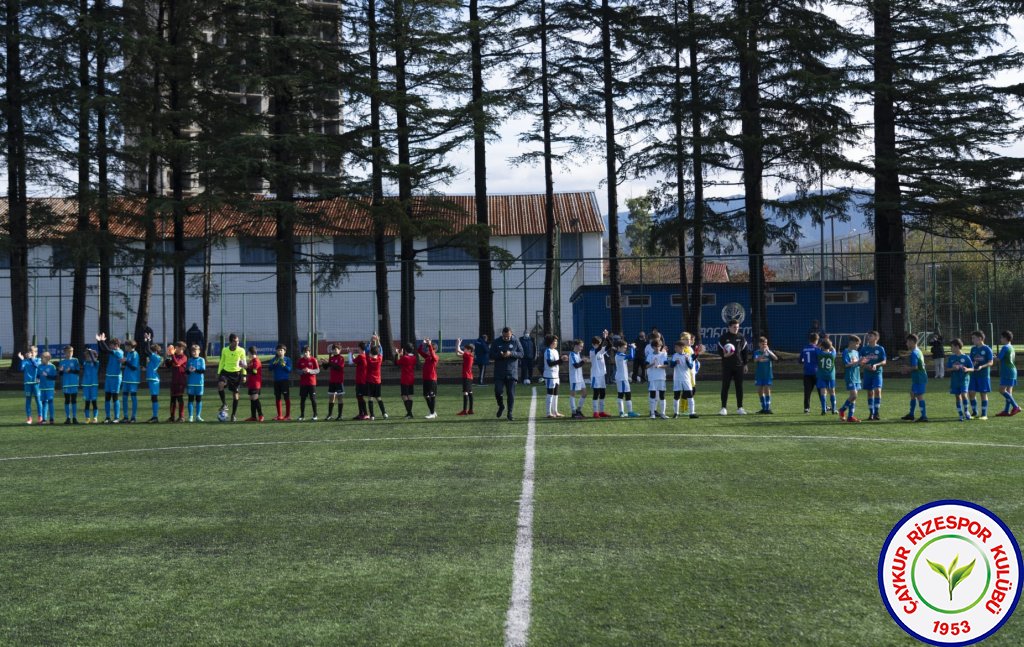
[223, 415]
[729, 349]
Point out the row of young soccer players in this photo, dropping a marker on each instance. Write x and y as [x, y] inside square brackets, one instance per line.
[970, 375]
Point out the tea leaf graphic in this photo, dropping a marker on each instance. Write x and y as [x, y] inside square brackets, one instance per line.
[952, 566]
[938, 568]
[960, 575]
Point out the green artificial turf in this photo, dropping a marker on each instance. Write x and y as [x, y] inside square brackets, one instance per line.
[731, 530]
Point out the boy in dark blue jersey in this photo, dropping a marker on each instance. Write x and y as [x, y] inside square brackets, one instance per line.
[809, 360]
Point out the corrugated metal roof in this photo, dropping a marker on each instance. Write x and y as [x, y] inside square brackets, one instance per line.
[509, 215]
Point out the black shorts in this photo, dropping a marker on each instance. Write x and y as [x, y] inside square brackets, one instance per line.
[373, 390]
[230, 380]
[361, 390]
[281, 388]
[336, 388]
[307, 390]
[254, 391]
[429, 387]
[467, 385]
[407, 389]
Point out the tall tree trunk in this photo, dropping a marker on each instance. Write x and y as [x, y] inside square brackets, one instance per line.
[483, 253]
[408, 253]
[890, 244]
[610, 171]
[282, 127]
[696, 300]
[81, 249]
[549, 186]
[207, 291]
[152, 195]
[17, 204]
[752, 144]
[106, 243]
[679, 163]
[178, 78]
[377, 189]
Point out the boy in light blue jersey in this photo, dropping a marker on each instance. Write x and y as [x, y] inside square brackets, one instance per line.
[918, 379]
[196, 371]
[131, 374]
[47, 386]
[112, 381]
[763, 358]
[91, 384]
[1007, 374]
[981, 379]
[153, 362]
[826, 377]
[851, 373]
[960, 369]
[29, 367]
[872, 359]
[70, 371]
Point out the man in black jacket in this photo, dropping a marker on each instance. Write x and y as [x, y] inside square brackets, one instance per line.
[734, 365]
[506, 351]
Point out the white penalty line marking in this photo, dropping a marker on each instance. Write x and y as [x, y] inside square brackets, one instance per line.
[331, 441]
[517, 620]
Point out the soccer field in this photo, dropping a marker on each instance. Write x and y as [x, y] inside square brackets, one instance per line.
[733, 530]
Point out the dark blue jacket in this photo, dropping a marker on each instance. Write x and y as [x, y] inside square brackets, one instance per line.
[482, 352]
[506, 367]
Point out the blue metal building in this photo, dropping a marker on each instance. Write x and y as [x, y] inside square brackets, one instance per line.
[792, 306]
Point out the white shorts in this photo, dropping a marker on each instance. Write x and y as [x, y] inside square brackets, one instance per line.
[624, 387]
[598, 382]
[576, 386]
[680, 385]
[656, 385]
[551, 382]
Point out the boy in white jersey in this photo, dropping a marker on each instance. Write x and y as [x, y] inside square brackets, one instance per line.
[683, 376]
[577, 387]
[552, 360]
[656, 378]
[598, 372]
[623, 355]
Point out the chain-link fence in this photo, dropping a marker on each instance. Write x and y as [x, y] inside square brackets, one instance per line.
[954, 292]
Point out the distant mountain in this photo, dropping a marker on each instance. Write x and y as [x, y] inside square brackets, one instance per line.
[854, 223]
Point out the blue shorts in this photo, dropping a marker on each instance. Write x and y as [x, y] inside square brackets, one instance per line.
[129, 387]
[763, 382]
[112, 384]
[853, 386]
[980, 384]
[918, 388]
[154, 387]
[196, 389]
[1007, 381]
[70, 389]
[31, 390]
[957, 389]
[826, 383]
[871, 381]
[624, 387]
[91, 392]
[46, 396]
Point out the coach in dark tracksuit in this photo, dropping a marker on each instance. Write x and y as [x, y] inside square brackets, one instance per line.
[506, 351]
[529, 358]
[734, 366]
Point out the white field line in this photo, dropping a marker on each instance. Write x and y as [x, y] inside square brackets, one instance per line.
[517, 620]
[412, 439]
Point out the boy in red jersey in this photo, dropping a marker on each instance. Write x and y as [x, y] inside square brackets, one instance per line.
[254, 382]
[336, 384]
[177, 361]
[359, 359]
[374, 361]
[467, 377]
[406, 362]
[428, 351]
[308, 369]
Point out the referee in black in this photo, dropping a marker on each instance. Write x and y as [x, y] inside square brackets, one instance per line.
[734, 366]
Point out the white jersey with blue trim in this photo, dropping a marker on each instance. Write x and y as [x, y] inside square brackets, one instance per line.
[656, 362]
[683, 371]
[575, 372]
[598, 368]
[550, 355]
[622, 365]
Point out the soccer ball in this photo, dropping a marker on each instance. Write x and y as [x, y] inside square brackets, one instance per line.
[728, 349]
[223, 415]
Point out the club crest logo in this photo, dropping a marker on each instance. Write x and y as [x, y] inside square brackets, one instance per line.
[733, 311]
[949, 573]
